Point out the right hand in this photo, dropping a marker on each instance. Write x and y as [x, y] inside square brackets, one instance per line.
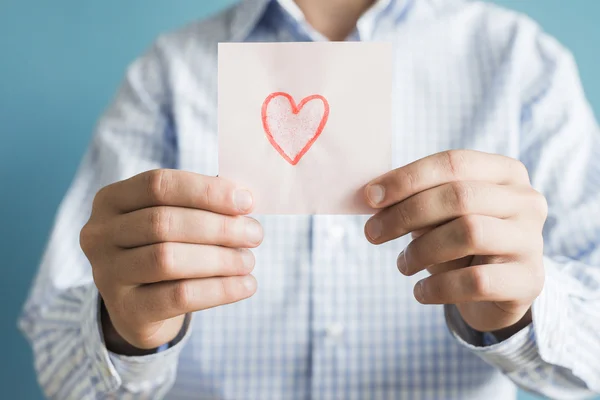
[166, 243]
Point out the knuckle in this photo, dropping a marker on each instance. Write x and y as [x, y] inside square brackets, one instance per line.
[159, 183]
[223, 293]
[85, 238]
[225, 227]
[539, 279]
[532, 242]
[479, 282]
[161, 220]
[100, 197]
[541, 204]
[472, 232]
[404, 215]
[538, 246]
[455, 162]
[208, 193]
[410, 180]
[406, 179]
[163, 259]
[521, 170]
[181, 295]
[460, 197]
[91, 238]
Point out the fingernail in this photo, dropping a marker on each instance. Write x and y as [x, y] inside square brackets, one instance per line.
[418, 292]
[254, 232]
[249, 283]
[375, 193]
[401, 263]
[242, 200]
[247, 259]
[374, 228]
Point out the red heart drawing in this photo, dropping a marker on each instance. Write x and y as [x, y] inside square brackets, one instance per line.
[293, 129]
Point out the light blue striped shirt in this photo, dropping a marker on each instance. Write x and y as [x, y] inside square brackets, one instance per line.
[333, 319]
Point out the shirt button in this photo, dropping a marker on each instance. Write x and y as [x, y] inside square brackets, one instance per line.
[335, 331]
[337, 232]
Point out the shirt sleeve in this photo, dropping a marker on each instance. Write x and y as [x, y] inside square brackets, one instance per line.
[558, 355]
[60, 317]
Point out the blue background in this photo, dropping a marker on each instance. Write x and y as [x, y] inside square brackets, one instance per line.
[60, 64]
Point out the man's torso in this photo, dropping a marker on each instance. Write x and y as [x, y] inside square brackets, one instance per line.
[332, 317]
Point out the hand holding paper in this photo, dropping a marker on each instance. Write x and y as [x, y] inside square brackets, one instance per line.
[477, 228]
[182, 246]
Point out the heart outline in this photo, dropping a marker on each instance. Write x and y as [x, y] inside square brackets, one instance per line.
[295, 110]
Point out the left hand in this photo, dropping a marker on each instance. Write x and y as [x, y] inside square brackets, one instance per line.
[477, 228]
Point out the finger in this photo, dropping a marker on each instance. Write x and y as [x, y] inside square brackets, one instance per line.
[164, 300]
[466, 236]
[443, 203]
[437, 169]
[166, 187]
[185, 225]
[176, 261]
[450, 265]
[491, 282]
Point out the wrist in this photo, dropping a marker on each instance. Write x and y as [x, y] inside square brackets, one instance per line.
[505, 333]
[115, 343]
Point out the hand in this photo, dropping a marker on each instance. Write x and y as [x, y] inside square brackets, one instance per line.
[166, 243]
[477, 228]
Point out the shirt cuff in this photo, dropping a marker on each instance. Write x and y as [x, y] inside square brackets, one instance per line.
[113, 371]
[540, 342]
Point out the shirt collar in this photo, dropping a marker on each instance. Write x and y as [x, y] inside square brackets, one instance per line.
[248, 14]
